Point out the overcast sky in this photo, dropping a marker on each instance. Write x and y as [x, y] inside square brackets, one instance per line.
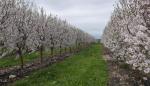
[89, 15]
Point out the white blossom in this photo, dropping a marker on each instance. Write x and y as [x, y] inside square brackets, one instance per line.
[127, 33]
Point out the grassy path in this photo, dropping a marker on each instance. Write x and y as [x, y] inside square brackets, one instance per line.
[86, 68]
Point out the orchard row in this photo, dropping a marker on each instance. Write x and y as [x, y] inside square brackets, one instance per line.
[127, 34]
[25, 28]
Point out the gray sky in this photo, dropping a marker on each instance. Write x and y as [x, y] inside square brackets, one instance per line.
[89, 15]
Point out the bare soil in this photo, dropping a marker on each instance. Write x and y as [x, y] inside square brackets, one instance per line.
[120, 74]
[19, 73]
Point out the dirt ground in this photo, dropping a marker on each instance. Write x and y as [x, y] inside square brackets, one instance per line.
[17, 73]
[121, 75]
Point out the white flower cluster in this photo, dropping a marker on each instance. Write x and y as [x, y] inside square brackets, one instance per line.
[127, 34]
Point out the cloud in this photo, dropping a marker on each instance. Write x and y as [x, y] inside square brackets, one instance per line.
[88, 15]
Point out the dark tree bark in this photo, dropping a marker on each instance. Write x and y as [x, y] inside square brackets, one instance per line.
[21, 58]
[41, 54]
[70, 50]
[65, 49]
[60, 50]
[52, 47]
[52, 51]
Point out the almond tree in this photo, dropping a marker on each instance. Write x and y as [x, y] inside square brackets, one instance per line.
[127, 33]
[7, 10]
[21, 29]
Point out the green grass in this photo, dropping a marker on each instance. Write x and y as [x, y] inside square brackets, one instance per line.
[12, 61]
[86, 68]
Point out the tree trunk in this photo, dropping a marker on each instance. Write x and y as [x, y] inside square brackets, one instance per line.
[65, 49]
[41, 54]
[52, 48]
[60, 50]
[76, 50]
[78, 47]
[52, 51]
[21, 58]
[70, 50]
